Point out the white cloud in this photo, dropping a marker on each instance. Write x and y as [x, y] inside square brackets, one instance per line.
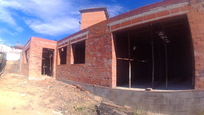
[44, 16]
[115, 10]
[51, 17]
[5, 30]
[2, 41]
[6, 17]
[55, 27]
[19, 29]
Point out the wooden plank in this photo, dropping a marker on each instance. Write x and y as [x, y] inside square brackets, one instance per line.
[166, 64]
[129, 60]
[152, 60]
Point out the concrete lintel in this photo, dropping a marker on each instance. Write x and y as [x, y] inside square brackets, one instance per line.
[47, 42]
[79, 40]
[74, 37]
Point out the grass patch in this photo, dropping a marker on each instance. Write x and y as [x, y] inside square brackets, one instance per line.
[78, 108]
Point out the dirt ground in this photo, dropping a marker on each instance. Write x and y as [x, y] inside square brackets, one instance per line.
[19, 95]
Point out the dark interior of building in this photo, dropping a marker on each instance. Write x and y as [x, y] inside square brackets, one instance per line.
[47, 62]
[63, 55]
[79, 52]
[158, 55]
[27, 52]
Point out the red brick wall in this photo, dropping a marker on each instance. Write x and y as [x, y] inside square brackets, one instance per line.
[24, 64]
[196, 21]
[98, 59]
[91, 18]
[33, 67]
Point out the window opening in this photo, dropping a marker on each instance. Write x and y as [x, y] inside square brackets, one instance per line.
[79, 52]
[63, 55]
[27, 53]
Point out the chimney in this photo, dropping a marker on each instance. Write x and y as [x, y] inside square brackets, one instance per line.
[92, 16]
[16, 43]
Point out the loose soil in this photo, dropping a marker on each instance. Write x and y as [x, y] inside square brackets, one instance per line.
[18, 95]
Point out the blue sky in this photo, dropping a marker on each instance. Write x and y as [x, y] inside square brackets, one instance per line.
[51, 19]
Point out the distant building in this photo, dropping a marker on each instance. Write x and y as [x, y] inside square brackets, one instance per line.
[18, 47]
[5, 48]
[13, 52]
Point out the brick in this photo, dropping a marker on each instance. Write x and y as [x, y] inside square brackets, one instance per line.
[163, 13]
[150, 16]
[95, 55]
[175, 10]
[184, 8]
[126, 23]
[115, 26]
[78, 38]
[73, 40]
[84, 36]
[33, 68]
[90, 18]
[136, 20]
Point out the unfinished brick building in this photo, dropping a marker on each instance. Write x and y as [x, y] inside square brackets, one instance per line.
[39, 58]
[156, 46]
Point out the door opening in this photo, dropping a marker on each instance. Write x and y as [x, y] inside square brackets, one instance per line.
[47, 62]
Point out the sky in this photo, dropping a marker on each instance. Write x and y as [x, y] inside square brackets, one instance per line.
[52, 19]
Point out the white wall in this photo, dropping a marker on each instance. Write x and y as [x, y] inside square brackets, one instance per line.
[13, 56]
[12, 53]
